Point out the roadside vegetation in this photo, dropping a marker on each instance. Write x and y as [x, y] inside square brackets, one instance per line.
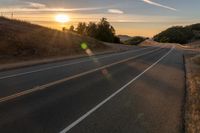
[22, 40]
[196, 59]
[192, 113]
[102, 30]
[179, 34]
[135, 40]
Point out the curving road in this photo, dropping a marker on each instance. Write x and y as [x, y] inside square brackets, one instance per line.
[137, 91]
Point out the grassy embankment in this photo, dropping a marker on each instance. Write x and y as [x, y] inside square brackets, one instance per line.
[21, 41]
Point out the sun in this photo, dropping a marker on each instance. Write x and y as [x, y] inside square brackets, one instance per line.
[62, 18]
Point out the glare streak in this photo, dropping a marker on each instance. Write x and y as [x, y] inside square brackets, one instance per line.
[160, 5]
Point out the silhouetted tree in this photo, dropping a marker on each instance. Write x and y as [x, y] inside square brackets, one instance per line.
[91, 29]
[105, 31]
[71, 28]
[81, 28]
[102, 31]
[112, 30]
[64, 29]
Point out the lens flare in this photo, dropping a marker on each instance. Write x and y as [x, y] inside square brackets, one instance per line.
[62, 18]
[89, 52]
[84, 46]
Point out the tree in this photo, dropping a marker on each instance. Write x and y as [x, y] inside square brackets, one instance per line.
[81, 28]
[71, 28]
[91, 29]
[112, 30]
[105, 31]
[64, 29]
[102, 31]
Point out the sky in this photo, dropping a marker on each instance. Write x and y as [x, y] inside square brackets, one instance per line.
[129, 17]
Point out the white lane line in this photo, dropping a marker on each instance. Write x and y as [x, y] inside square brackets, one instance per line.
[114, 94]
[42, 87]
[58, 66]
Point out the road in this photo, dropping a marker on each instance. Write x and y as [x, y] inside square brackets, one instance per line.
[137, 91]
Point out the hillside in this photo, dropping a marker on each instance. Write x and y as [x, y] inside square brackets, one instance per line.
[149, 42]
[24, 41]
[179, 34]
[124, 38]
[135, 40]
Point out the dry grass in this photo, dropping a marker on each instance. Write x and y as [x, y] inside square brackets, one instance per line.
[24, 41]
[148, 42]
[192, 117]
[195, 44]
[196, 59]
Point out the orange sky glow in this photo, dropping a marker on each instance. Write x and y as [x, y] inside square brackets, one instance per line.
[134, 18]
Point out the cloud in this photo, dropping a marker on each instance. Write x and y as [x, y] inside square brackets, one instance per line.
[160, 5]
[116, 11]
[48, 9]
[35, 5]
[38, 7]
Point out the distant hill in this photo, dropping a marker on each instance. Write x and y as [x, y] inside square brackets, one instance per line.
[135, 40]
[25, 40]
[179, 34]
[124, 38]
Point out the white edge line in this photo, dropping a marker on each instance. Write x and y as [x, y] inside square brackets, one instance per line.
[42, 87]
[58, 66]
[111, 96]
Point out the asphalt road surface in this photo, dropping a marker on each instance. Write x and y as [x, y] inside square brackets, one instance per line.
[137, 91]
